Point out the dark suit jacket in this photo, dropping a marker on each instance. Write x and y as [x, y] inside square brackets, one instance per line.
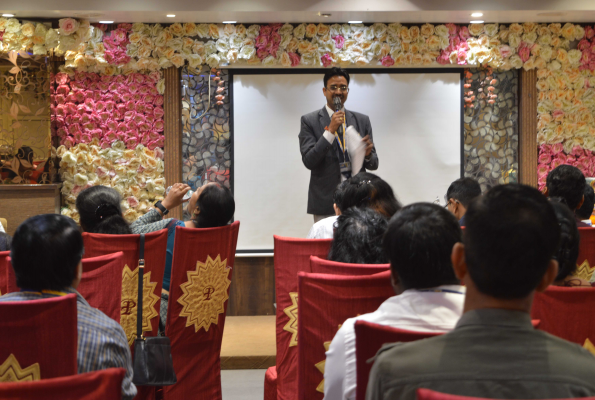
[491, 353]
[321, 159]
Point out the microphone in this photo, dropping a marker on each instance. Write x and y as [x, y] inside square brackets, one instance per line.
[337, 103]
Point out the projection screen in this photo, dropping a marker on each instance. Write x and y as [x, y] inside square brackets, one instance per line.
[417, 129]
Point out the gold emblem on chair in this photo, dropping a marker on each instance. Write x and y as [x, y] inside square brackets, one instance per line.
[11, 371]
[589, 346]
[320, 366]
[584, 271]
[292, 325]
[205, 293]
[129, 299]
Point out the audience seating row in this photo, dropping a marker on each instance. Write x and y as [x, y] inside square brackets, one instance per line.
[201, 276]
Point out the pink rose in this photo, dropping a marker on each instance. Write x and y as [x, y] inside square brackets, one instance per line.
[158, 112]
[524, 51]
[559, 159]
[103, 86]
[144, 140]
[129, 115]
[119, 36]
[464, 33]
[144, 89]
[139, 107]
[583, 45]
[443, 58]
[544, 158]
[387, 61]
[462, 57]
[158, 126]
[543, 169]
[71, 98]
[105, 116]
[67, 141]
[139, 118]
[122, 136]
[295, 59]
[136, 97]
[159, 153]
[131, 142]
[159, 98]
[265, 30]
[126, 97]
[148, 98]
[132, 201]
[339, 41]
[261, 41]
[262, 53]
[144, 127]
[122, 127]
[326, 60]
[79, 97]
[589, 32]
[577, 151]
[153, 135]
[505, 51]
[90, 104]
[452, 29]
[62, 78]
[63, 89]
[557, 148]
[59, 99]
[148, 108]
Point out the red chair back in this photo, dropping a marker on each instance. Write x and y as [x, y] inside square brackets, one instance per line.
[96, 385]
[326, 301]
[39, 337]
[201, 275]
[565, 312]
[4, 267]
[369, 338]
[586, 253]
[321, 266]
[101, 284]
[427, 394]
[291, 256]
[155, 251]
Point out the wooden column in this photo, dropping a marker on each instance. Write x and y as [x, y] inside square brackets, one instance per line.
[173, 131]
[528, 127]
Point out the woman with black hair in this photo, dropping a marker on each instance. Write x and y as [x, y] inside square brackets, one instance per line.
[569, 246]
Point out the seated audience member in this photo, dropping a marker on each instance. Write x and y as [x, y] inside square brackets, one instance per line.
[46, 258]
[568, 248]
[370, 191]
[569, 183]
[459, 195]
[585, 211]
[5, 241]
[100, 211]
[212, 205]
[358, 237]
[429, 298]
[511, 236]
[324, 228]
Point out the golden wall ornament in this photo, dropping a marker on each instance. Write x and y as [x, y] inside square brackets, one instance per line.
[129, 299]
[11, 371]
[205, 293]
[292, 325]
[584, 271]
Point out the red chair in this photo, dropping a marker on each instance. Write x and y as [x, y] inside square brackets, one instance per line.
[320, 266]
[4, 267]
[586, 253]
[565, 312]
[39, 337]
[270, 384]
[96, 385]
[155, 250]
[326, 301]
[101, 284]
[369, 338]
[291, 256]
[201, 275]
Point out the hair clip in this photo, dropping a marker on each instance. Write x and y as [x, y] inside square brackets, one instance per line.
[362, 183]
[105, 210]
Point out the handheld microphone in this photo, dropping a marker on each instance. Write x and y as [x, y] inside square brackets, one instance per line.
[337, 103]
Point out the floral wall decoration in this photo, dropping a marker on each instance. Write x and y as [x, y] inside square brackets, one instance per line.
[491, 129]
[110, 130]
[206, 142]
[150, 47]
[566, 110]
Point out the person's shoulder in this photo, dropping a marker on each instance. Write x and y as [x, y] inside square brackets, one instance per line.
[311, 115]
[359, 115]
[94, 319]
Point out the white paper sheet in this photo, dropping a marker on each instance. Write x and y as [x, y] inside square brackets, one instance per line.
[356, 148]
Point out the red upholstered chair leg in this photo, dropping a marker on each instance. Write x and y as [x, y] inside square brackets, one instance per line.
[270, 384]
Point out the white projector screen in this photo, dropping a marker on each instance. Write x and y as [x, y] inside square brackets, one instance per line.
[416, 123]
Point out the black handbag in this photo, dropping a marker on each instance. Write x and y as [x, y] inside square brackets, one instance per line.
[153, 365]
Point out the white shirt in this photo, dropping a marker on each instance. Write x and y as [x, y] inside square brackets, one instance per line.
[1, 228]
[323, 229]
[413, 310]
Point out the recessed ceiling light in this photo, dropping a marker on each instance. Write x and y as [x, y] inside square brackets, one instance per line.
[106, 22]
[476, 22]
[170, 15]
[8, 15]
[477, 14]
[355, 22]
[230, 22]
[325, 15]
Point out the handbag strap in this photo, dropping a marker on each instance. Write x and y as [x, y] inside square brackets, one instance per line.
[139, 303]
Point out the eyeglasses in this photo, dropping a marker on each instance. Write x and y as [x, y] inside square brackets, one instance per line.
[334, 88]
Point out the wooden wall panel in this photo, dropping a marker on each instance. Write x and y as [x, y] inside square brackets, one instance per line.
[528, 127]
[19, 202]
[172, 107]
[252, 290]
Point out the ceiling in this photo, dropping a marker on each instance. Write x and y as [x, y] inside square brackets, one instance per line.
[265, 11]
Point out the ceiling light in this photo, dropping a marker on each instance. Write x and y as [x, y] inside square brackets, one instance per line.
[230, 22]
[106, 22]
[170, 15]
[476, 22]
[8, 15]
[325, 15]
[355, 22]
[477, 14]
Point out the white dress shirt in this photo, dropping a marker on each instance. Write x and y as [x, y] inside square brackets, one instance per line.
[413, 310]
[323, 229]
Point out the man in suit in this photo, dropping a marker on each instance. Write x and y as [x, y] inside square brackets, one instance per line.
[323, 147]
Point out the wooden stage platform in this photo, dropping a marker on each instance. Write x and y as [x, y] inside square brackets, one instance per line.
[248, 342]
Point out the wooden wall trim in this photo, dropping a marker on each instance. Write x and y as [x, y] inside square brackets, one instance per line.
[528, 127]
[172, 107]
